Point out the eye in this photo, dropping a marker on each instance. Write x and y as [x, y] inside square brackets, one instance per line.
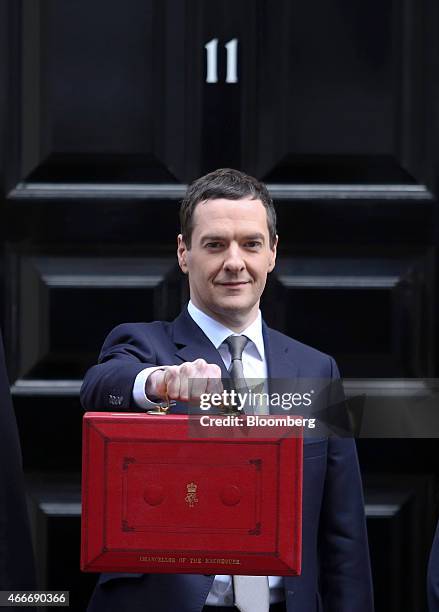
[213, 245]
[253, 244]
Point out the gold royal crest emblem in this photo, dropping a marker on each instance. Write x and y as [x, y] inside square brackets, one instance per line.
[191, 495]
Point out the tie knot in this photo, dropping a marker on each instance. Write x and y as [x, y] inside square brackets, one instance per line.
[236, 345]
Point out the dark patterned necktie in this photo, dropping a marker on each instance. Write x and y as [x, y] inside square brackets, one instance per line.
[236, 346]
[251, 592]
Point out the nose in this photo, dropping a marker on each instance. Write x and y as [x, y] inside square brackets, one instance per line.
[233, 261]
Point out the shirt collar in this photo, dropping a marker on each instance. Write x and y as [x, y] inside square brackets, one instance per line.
[217, 332]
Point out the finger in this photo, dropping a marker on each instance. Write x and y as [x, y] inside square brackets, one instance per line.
[155, 385]
[214, 383]
[199, 378]
[172, 382]
[185, 372]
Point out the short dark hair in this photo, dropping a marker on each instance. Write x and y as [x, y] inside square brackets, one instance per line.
[228, 184]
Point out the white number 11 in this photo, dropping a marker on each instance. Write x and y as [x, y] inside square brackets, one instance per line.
[212, 61]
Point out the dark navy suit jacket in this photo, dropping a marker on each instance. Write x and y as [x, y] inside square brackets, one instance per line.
[335, 559]
[433, 575]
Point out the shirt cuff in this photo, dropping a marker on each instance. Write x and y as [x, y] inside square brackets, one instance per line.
[139, 394]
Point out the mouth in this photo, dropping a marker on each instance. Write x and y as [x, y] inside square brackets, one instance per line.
[234, 284]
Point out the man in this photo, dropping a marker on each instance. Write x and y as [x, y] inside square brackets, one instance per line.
[227, 246]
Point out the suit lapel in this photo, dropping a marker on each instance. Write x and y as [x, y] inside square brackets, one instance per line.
[283, 371]
[280, 361]
[192, 343]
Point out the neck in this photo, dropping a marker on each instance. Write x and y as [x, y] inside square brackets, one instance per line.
[235, 321]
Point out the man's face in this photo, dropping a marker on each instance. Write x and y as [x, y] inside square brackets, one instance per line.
[229, 259]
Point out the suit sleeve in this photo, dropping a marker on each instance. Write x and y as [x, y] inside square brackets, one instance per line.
[433, 575]
[109, 384]
[345, 576]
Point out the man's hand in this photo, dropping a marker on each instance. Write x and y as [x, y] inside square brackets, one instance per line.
[185, 382]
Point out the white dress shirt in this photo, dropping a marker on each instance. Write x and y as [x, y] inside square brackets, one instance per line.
[255, 368]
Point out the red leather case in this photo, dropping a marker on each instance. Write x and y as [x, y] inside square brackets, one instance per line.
[155, 500]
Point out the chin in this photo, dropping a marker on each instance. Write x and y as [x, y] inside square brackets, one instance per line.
[233, 303]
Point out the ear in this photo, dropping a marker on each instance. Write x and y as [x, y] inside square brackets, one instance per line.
[182, 253]
[273, 253]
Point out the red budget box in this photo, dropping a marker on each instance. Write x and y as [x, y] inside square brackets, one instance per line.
[156, 500]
